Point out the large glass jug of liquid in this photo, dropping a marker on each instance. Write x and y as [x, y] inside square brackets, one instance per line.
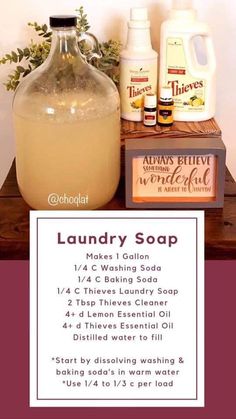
[67, 128]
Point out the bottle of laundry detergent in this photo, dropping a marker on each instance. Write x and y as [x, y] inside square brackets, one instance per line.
[188, 64]
[138, 66]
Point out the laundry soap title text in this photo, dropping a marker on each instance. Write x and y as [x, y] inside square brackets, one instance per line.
[108, 239]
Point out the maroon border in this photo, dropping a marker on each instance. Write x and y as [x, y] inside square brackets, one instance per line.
[220, 352]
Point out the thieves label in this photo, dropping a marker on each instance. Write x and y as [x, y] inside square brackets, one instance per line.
[117, 308]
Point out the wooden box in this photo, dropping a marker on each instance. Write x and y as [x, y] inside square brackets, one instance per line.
[175, 171]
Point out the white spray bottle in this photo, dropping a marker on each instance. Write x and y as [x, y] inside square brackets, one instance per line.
[138, 66]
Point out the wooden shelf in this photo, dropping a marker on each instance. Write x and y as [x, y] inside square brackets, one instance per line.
[220, 224]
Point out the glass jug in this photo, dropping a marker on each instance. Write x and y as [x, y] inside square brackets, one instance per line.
[67, 128]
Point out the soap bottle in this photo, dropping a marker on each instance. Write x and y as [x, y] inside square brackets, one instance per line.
[150, 110]
[187, 65]
[165, 108]
[138, 66]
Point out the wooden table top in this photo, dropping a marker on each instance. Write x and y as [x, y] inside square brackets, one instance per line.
[220, 235]
[220, 224]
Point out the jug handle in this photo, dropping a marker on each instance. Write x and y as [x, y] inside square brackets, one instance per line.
[209, 49]
[95, 51]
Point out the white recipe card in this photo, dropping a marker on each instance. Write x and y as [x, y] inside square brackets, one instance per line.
[117, 308]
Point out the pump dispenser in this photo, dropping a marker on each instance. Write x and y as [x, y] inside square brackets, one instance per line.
[138, 66]
[193, 82]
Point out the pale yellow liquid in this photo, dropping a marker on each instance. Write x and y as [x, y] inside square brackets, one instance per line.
[80, 157]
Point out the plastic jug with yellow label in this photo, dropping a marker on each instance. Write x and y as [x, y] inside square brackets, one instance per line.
[188, 64]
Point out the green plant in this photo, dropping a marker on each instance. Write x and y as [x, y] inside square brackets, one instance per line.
[32, 56]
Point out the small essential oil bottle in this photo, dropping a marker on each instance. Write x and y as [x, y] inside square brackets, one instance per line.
[165, 107]
[150, 110]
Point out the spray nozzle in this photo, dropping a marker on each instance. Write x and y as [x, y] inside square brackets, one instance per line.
[139, 14]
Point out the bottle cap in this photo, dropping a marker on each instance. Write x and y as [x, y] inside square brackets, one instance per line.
[138, 13]
[166, 94]
[62, 21]
[139, 18]
[150, 100]
[182, 9]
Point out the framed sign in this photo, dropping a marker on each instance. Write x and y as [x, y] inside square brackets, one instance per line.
[175, 173]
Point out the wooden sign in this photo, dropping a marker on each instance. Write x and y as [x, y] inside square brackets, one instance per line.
[179, 173]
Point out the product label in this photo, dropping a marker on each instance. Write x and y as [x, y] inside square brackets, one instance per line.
[137, 78]
[165, 114]
[188, 92]
[174, 178]
[150, 118]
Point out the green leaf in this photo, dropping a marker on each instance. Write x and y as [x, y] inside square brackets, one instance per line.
[36, 53]
[47, 35]
[27, 71]
[20, 69]
[20, 54]
[26, 52]
[14, 56]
